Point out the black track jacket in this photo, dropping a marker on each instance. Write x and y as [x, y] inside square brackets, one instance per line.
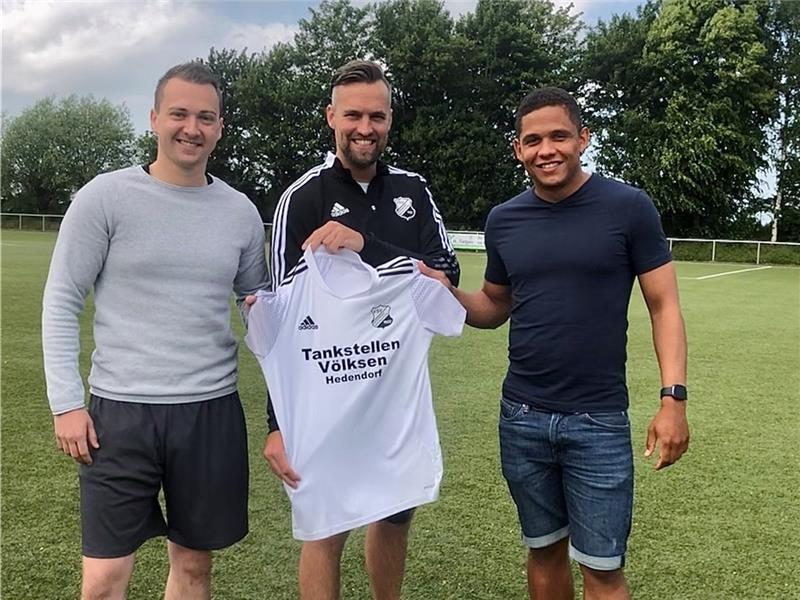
[396, 216]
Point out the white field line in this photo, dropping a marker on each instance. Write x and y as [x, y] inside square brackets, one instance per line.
[731, 272]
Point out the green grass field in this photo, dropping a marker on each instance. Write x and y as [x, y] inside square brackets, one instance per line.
[724, 523]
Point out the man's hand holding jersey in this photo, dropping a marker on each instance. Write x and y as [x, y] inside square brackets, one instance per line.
[436, 274]
[335, 236]
[275, 453]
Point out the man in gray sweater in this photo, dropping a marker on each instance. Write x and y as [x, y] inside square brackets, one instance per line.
[162, 247]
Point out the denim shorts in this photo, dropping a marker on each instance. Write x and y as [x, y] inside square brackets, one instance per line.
[570, 475]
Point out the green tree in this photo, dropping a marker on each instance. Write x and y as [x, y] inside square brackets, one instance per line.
[510, 48]
[455, 88]
[285, 92]
[54, 147]
[146, 148]
[783, 24]
[457, 85]
[415, 40]
[235, 159]
[679, 96]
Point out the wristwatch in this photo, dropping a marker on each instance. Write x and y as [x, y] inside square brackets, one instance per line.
[677, 391]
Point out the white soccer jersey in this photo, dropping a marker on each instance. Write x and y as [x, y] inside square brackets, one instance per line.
[344, 349]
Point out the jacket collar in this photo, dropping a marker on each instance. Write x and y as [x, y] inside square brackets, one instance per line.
[381, 168]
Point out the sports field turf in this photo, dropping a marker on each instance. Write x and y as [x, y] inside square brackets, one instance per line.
[724, 523]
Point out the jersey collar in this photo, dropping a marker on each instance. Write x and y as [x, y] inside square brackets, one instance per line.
[313, 259]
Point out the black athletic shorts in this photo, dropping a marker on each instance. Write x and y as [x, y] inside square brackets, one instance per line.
[196, 452]
[400, 518]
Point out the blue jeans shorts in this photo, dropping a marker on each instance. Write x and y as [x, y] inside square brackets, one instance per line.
[570, 475]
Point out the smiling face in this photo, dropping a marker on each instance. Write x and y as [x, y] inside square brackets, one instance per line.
[188, 125]
[360, 115]
[549, 146]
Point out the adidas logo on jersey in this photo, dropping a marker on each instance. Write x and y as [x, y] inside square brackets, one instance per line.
[338, 210]
[307, 323]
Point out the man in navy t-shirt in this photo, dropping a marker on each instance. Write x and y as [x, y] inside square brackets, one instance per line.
[561, 261]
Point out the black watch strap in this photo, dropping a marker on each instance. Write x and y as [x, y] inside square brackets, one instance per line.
[676, 391]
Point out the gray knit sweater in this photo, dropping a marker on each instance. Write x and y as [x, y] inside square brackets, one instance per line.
[162, 261]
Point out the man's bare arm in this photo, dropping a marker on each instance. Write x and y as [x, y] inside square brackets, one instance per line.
[669, 428]
[487, 308]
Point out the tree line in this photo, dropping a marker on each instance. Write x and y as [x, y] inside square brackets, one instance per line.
[690, 99]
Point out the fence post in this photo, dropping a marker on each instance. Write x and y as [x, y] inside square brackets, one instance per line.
[20, 222]
[42, 223]
[758, 253]
[713, 250]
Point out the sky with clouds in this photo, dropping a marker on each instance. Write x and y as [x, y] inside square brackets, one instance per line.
[118, 49]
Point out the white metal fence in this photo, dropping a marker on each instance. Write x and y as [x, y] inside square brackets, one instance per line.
[30, 221]
[749, 251]
[691, 249]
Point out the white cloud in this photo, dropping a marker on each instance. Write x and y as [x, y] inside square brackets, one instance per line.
[577, 5]
[49, 46]
[117, 49]
[586, 6]
[456, 8]
[256, 38]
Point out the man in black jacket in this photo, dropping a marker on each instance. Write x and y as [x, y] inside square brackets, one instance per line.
[355, 201]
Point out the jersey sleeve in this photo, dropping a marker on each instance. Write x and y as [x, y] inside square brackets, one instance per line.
[78, 258]
[434, 248]
[437, 308]
[647, 244]
[495, 267]
[263, 323]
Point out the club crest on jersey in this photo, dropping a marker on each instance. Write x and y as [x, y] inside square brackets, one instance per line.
[381, 317]
[338, 210]
[307, 323]
[404, 208]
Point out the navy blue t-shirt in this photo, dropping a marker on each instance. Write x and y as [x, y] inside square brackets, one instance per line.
[571, 267]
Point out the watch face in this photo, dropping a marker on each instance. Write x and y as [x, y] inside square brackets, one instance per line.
[676, 391]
